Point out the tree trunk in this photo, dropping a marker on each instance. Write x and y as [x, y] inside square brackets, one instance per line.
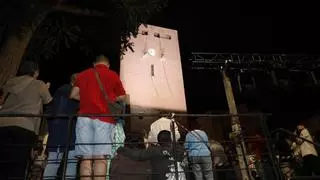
[14, 48]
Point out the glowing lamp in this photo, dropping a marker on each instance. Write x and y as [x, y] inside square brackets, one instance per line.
[151, 52]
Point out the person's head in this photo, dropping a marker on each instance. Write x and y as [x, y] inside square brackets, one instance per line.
[73, 78]
[164, 113]
[194, 125]
[101, 59]
[164, 137]
[29, 68]
[301, 125]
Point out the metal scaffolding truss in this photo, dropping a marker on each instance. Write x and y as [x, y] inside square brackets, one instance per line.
[201, 60]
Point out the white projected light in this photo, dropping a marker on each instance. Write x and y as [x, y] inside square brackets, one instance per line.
[151, 52]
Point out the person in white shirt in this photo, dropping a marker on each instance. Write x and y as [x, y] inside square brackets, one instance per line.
[159, 125]
[311, 160]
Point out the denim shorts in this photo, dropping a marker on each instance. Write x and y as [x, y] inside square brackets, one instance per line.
[93, 138]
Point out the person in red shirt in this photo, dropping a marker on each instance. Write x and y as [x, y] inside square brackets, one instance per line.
[94, 134]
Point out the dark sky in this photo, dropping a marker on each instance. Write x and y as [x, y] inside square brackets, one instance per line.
[234, 27]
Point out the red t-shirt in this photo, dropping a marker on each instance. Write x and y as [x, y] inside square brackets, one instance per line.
[92, 100]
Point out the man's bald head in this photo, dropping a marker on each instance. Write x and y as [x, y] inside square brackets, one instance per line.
[101, 59]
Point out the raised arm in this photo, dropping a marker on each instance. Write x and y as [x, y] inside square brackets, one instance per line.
[75, 93]
[176, 131]
[44, 93]
[303, 134]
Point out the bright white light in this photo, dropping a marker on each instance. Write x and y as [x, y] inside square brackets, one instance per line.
[151, 52]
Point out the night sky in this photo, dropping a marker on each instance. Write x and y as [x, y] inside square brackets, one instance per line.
[217, 27]
[231, 27]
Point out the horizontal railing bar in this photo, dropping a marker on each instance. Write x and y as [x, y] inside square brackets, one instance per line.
[130, 115]
[294, 135]
[252, 54]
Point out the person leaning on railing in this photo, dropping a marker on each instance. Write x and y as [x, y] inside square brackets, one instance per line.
[311, 160]
[58, 132]
[161, 156]
[199, 152]
[124, 168]
[94, 134]
[23, 94]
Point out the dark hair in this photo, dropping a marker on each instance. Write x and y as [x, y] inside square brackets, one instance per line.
[102, 58]
[303, 122]
[164, 137]
[194, 125]
[73, 77]
[165, 113]
[28, 68]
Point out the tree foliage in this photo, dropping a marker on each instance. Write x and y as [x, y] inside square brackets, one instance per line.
[136, 12]
[54, 32]
[18, 15]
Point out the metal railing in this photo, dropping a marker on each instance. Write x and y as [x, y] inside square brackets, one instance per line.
[294, 135]
[267, 167]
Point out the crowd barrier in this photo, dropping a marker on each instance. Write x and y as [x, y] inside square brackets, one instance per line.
[255, 140]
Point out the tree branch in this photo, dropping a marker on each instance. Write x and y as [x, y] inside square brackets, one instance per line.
[79, 11]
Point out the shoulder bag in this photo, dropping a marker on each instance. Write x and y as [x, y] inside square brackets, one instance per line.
[114, 107]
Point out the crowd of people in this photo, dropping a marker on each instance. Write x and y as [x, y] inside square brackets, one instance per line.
[96, 148]
[89, 92]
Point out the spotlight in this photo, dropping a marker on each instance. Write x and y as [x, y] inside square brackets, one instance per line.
[151, 52]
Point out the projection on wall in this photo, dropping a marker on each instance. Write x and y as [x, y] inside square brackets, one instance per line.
[152, 74]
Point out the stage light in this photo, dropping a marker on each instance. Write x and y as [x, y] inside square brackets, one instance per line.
[151, 52]
[227, 61]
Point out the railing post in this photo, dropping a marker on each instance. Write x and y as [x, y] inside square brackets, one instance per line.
[245, 157]
[27, 170]
[236, 127]
[271, 151]
[67, 146]
[174, 147]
